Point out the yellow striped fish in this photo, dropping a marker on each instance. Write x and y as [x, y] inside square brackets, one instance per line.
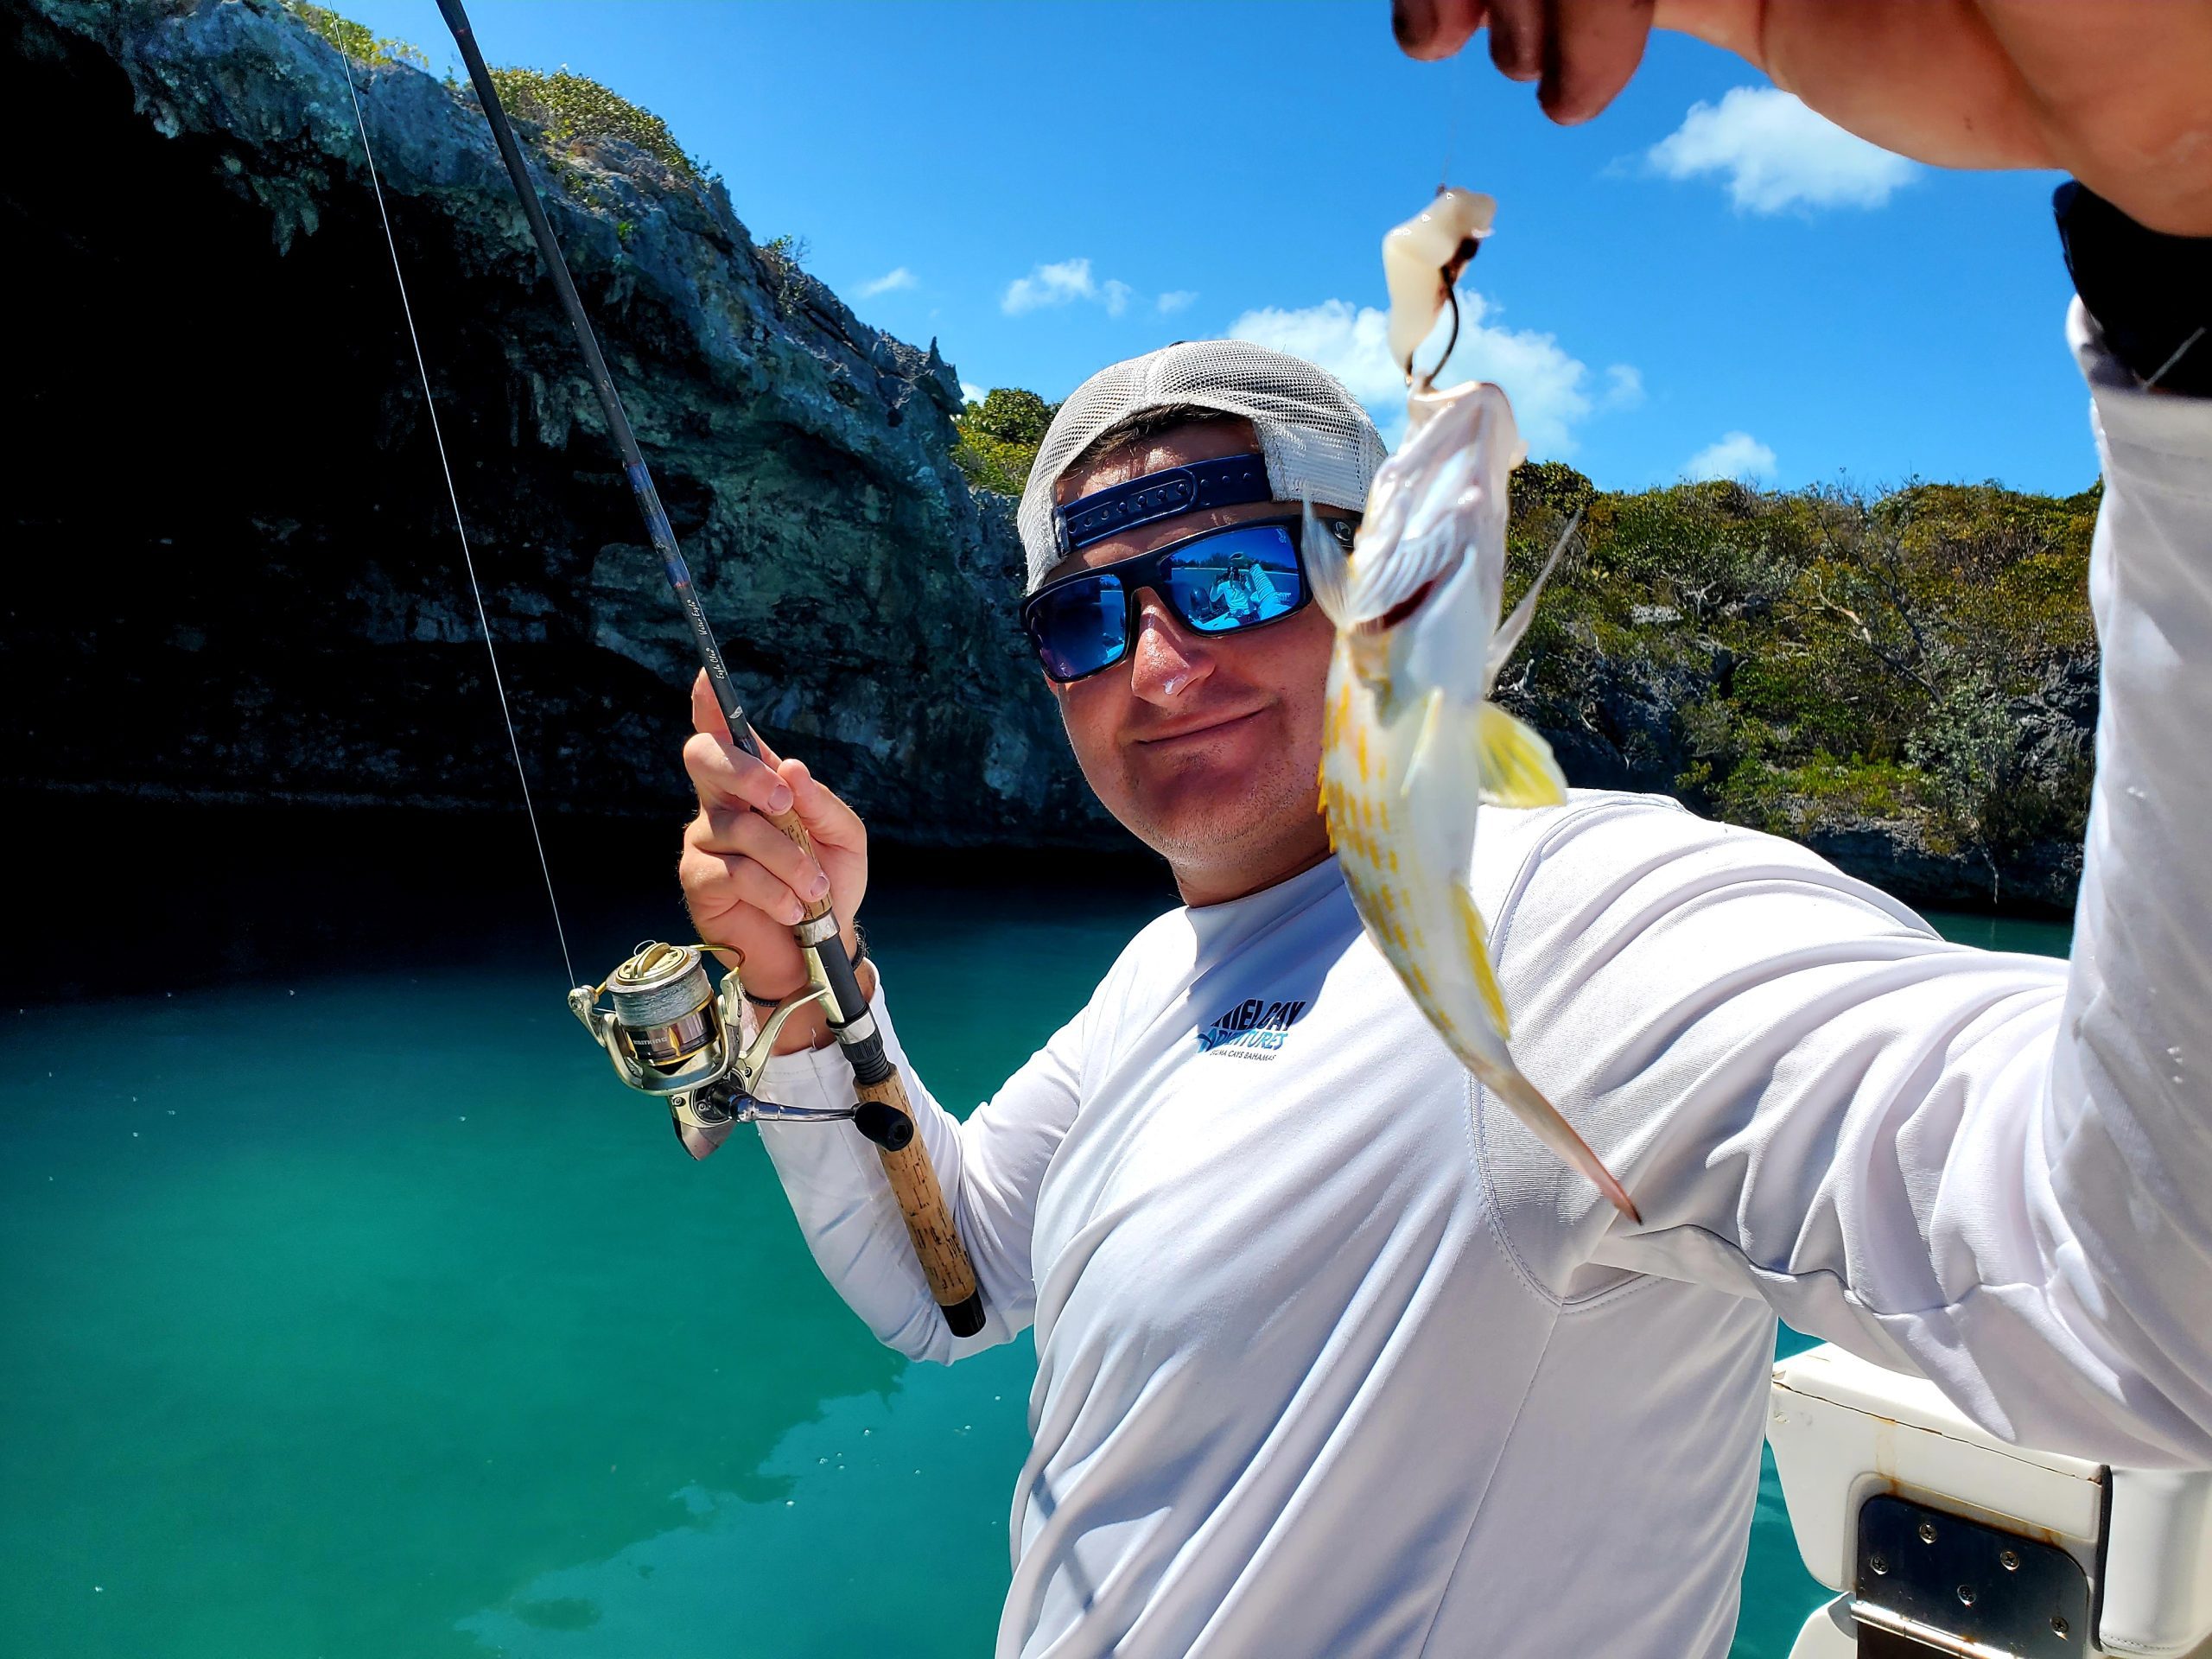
[1411, 744]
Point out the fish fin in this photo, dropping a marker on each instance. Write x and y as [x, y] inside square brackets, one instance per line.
[1527, 1102]
[1509, 633]
[1328, 569]
[1476, 938]
[1425, 743]
[1514, 762]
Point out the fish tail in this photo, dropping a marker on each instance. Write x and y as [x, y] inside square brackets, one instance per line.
[1526, 1100]
[1528, 1104]
[1514, 762]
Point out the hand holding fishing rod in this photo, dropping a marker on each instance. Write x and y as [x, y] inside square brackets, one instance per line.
[668, 1032]
[746, 884]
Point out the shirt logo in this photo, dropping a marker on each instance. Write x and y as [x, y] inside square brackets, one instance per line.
[1253, 1030]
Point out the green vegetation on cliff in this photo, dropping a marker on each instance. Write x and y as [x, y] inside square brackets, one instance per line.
[569, 109]
[998, 438]
[574, 109]
[353, 39]
[1823, 662]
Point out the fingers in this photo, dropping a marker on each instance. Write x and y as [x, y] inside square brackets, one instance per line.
[828, 819]
[747, 835]
[1516, 38]
[715, 887]
[744, 773]
[752, 864]
[1583, 52]
[1735, 26]
[1590, 49]
[1428, 29]
[725, 776]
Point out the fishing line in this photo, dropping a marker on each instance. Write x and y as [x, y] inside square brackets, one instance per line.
[460, 528]
[2180, 351]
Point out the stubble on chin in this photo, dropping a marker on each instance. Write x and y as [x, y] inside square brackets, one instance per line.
[1206, 807]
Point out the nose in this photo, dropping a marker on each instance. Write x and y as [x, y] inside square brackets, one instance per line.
[1167, 659]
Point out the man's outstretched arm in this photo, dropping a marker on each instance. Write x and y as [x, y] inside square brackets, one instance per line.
[1996, 1169]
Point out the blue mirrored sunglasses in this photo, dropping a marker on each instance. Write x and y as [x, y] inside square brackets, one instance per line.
[1218, 582]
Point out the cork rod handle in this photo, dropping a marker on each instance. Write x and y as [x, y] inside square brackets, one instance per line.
[914, 1180]
[929, 1222]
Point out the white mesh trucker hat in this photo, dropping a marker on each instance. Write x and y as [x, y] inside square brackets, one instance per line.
[1318, 443]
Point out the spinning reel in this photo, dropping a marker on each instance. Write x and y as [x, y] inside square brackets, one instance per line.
[671, 1033]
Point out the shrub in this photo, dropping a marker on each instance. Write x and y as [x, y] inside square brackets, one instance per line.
[998, 438]
[783, 259]
[353, 39]
[573, 109]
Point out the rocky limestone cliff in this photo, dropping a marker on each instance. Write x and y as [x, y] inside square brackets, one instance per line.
[235, 574]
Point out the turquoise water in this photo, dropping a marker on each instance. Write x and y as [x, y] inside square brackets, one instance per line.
[365, 1316]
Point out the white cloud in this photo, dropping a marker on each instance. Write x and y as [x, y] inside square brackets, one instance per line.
[1062, 284]
[1176, 299]
[1623, 386]
[1049, 285]
[1550, 389]
[1778, 153]
[888, 282]
[1737, 455]
[971, 394]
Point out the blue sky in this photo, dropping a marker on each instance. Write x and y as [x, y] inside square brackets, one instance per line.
[1047, 188]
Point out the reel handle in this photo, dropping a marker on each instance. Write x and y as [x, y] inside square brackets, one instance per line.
[929, 1226]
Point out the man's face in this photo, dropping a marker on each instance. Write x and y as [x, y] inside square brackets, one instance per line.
[1205, 746]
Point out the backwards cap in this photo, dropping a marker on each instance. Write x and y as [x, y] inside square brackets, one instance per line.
[1319, 444]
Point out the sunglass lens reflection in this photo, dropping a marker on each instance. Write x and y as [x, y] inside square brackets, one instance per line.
[1229, 583]
[1082, 627]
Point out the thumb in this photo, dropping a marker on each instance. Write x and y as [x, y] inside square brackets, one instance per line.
[707, 716]
[1732, 25]
[827, 819]
[706, 713]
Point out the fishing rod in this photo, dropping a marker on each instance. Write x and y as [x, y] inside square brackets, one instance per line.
[669, 1033]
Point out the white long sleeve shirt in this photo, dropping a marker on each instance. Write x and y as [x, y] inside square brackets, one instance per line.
[1334, 1358]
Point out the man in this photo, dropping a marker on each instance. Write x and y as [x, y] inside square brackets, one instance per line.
[1332, 1357]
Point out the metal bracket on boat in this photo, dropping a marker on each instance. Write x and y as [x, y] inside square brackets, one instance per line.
[669, 1032]
[1931, 1582]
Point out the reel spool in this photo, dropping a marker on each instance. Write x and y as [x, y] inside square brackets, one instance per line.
[670, 1033]
[668, 1030]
